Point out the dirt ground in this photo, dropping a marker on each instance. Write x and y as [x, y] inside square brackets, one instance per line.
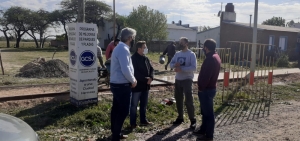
[234, 124]
[33, 90]
[282, 124]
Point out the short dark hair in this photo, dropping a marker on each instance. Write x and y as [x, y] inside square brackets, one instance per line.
[185, 39]
[140, 44]
[116, 40]
[210, 44]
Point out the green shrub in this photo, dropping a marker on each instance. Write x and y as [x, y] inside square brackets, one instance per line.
[283, 61]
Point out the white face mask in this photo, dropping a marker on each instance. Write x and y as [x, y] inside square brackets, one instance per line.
[145, 51]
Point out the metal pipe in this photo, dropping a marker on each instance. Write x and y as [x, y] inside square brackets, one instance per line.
[250, 19]
[81, 11]
[114, 20]
[253, 55]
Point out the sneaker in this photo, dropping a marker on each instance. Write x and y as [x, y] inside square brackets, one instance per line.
[193, 125]
[147, 123]
[123, 136]
[198, 132]
[178, 121]
[204, 138]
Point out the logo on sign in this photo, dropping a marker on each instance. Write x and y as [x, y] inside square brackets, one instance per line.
[87, 58]
[73, 57]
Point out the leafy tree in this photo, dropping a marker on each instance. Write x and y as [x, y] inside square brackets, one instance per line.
[95, 11]
[120, 22]
[5, 28]
[63, 17]
[290, 24]
[149, 23]
[19, 18]
[40, 21]
[276, 21]
[203, 28]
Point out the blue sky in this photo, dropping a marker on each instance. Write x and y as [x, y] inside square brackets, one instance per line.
[193, 12]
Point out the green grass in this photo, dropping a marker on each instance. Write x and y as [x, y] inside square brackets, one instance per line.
[56, 119]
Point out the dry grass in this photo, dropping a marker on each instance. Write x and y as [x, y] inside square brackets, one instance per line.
[13, 59]
[22, 44]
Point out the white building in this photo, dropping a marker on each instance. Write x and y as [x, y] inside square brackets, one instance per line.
[105, 33]
[213, 33]
[296, 25]
[175, 32]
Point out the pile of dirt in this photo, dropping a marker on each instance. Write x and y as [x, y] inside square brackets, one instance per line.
[52, 68]
[34, 63]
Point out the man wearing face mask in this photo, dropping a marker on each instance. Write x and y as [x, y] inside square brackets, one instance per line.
[143, 72]
[207, 84]
[185, 64]
[122, 81]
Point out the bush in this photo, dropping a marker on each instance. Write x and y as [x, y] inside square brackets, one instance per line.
[283, 61]
[294, 65]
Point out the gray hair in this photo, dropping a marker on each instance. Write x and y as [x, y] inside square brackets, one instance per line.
[185, 39]
[126, 33]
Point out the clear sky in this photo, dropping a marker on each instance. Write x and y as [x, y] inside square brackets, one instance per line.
[193, 12]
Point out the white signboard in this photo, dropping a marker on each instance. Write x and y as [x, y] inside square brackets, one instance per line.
[83, 63]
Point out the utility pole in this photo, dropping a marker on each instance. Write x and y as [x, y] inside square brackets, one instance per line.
[114, 20]
[254, 45]
[250, 19]
[81, 11]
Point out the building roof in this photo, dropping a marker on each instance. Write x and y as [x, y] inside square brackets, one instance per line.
[208, 30]
[174, 26]
[267, 27]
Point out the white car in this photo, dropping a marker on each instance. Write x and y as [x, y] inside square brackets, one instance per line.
[15, 129]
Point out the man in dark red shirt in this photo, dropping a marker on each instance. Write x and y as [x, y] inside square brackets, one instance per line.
[207, 84]
[110, 48]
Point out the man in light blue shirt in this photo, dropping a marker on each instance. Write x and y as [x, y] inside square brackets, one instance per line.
[121, 81]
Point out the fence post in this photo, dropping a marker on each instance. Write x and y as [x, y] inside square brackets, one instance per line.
[1, 64]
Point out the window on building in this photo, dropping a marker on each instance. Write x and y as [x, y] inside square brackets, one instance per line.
[271, 41]
[283, 43]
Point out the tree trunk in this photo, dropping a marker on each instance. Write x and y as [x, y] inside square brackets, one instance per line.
[19, 37]
[41, 39]
[44, 39]
[36, 42]
[66, 33]
[7, 39]
[34, 38]
[18, 42]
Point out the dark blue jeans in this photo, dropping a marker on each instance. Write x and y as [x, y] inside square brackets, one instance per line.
[143, 98]
[120, 108]
[207, 111]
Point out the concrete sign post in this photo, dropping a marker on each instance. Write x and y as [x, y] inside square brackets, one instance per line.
[83, 63]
